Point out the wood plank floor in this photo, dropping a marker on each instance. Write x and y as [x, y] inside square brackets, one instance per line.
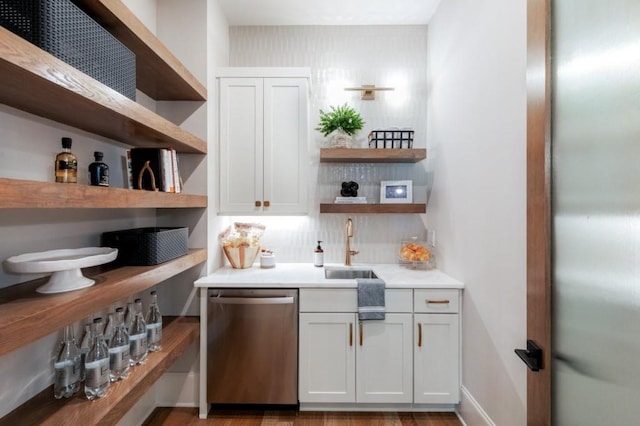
[189, 417]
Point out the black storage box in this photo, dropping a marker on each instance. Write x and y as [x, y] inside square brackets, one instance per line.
[62, 29]
[147, 246]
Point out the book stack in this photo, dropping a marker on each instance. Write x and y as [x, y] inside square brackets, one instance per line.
[351, 200]
[153, 169]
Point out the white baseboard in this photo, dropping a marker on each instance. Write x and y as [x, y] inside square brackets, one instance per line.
[177, 390]
[470, 412]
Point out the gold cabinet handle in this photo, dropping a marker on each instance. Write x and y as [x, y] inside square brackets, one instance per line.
[437, 302]
[350, 334]
[361, 334]
[419, 335]
[258, 203]
[267, 204]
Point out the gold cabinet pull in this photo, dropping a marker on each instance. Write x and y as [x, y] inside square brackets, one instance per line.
[267, 204]
[258, 203]
[350, 334]
[419, 335]
[437, 302]
[361, 334]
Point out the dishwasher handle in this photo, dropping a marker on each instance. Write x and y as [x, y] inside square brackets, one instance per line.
[284, 300]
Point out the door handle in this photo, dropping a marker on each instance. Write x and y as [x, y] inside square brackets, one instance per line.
[350, 334]
[419, 335]
[361, 334]
[532, 356]
[287, 300]
[267, 204]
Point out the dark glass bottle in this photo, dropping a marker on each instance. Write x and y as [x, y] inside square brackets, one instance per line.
[98, 171]
[66, 164]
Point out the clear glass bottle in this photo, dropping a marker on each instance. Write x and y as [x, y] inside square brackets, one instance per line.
[85, 345]
[98, 171]
[119, 349]
[96, 383]
[67, 366]
[154, 324]
[66, 164]
[108, 328]
[129, 313]
[138, 336]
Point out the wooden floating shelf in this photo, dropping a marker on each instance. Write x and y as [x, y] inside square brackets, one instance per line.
[39, 83]
[371, 155]
[177, 334]
[26, 316]
[159, 73]
[373, 208]
[18, 193]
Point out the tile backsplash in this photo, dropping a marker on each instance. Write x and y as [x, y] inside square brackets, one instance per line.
[339, 57]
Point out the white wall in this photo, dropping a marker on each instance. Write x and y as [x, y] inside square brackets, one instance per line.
[477, 149]
[339, 57]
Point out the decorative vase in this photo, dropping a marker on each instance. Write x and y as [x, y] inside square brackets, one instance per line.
[339, 139]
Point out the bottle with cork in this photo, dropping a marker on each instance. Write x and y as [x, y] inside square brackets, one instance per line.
[66, 164]
[98, 171]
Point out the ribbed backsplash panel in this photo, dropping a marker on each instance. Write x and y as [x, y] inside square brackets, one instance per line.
[339, 57]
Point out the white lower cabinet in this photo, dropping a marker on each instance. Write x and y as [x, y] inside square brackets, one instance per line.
[436, 359]
[412, 357]
[344, 360]
[384, 373]
[327, 357]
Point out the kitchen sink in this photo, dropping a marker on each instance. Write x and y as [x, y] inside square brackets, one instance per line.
[348, 274]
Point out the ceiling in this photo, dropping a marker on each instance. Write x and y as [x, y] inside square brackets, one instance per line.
[328, 12]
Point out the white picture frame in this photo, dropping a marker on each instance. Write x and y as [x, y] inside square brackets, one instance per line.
[396, 192]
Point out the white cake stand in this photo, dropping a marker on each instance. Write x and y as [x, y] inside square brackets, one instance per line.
[64, 264]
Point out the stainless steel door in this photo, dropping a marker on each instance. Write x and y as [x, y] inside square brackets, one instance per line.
[252, 347]
[596, 200]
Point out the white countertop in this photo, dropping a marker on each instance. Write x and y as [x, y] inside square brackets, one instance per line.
[300, 275]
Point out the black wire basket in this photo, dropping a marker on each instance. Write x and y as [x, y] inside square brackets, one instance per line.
[62, 29]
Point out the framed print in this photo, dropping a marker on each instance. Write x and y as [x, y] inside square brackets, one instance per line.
[396, 191]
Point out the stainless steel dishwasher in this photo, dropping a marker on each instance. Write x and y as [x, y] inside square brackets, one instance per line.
[252, 346]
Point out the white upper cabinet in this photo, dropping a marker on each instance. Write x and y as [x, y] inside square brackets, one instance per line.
[264, 136]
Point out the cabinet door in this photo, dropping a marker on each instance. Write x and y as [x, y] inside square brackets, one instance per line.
[327, 357]
[241, 144]
[437, 359]
[384, 358]
[286, 135]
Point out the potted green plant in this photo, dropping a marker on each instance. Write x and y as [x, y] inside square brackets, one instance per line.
[340, 124]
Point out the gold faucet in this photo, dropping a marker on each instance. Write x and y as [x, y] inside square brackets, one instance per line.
[349, 252]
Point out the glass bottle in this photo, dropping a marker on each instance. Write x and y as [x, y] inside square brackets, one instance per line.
[98, 171]
[119, 349]
[154, 324]
[66, 164]
[138, 336]
[96, 383]
[67, 367]
[108, 328]
[85, 345]
[129, 313]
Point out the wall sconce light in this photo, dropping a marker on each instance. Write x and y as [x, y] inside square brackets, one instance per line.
[368, 91]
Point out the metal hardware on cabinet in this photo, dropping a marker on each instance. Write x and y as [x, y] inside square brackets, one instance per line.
[350, 334]
[258, 203]
[267, 204]
[361, 334]
[532, 356]
[437, 302]
[419, 335]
